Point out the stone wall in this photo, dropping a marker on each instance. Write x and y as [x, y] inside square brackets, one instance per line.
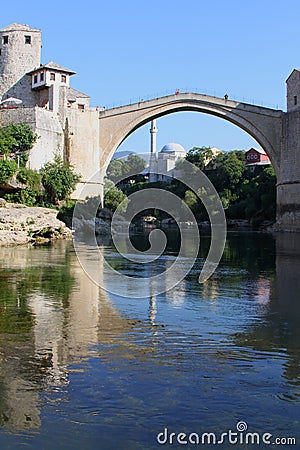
[22, 90]
[85, 151]
[46, 125]
[288, 180]
[50, 141]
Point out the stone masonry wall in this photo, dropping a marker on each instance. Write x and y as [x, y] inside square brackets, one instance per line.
[288, 188]
[22, 90]
[85, 150]
[17, 57]
[43, 122]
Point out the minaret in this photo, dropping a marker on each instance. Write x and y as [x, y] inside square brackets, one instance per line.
[152, 162]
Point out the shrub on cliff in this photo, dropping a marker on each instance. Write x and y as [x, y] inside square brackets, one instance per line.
[7, 170]
[30, 177]
[59, 180]
[30, 196]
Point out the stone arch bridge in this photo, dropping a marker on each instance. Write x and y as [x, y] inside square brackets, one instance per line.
[275, 131]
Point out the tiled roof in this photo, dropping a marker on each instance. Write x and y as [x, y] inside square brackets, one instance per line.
[73, 93]
[258, 150]
[53, 66]
[18, 27]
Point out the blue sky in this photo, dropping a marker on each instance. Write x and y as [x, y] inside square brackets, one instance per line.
[137, 49]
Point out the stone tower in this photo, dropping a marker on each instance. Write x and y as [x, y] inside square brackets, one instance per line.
[20, 52]
[293, 91]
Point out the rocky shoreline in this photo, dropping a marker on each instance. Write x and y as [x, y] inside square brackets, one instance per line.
[20, 224]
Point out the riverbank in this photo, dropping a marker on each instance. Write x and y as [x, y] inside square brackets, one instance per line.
[20, 224]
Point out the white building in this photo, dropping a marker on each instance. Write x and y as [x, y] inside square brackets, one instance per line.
[162, 164]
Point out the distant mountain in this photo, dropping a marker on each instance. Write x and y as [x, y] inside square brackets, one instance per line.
[122, 154]
[125, 153]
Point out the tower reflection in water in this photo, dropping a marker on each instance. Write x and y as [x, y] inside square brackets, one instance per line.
[52, 314]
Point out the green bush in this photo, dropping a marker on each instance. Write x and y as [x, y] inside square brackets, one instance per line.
[30, 177]
[7, 169]
[32, 194]
[59, 180]
[26, 196]
[113, 197]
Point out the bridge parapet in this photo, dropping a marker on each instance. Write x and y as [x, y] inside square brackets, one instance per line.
[188, 96]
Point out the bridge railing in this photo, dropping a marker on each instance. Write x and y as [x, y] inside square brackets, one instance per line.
[186, 90]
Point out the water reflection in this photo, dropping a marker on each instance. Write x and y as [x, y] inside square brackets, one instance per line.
[51, 313]
[206, 354]
[279, 331]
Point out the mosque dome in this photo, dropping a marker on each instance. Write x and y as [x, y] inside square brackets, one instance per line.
[172, 147]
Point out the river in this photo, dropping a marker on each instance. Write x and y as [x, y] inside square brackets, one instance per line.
[84, 369]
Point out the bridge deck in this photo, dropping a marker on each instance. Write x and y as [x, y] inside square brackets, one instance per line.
[188, 97]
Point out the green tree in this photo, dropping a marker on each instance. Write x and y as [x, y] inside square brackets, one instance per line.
[59, 180]
[191, 199]
[199, 156]
[17, 138]
[7, 141]
[115, 169]
[23, 135]
[232, 170]
[134, 164]
[122, 168]
[113, 196]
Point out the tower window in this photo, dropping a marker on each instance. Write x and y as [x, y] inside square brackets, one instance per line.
[42, 76]
[63, 79]
[27, 39]
[52, 76]
[5, 40]
[295, 100]
[0, 51]
[35, 79]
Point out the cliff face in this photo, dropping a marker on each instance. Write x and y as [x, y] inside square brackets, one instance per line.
[21, 224]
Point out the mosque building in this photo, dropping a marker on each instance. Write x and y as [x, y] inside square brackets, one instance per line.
[162, 165]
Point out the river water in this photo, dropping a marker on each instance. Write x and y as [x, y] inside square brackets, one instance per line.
[84, 369]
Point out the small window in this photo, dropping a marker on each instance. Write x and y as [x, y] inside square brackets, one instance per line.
[52, 76]
[27, 39]
[5, 40]
[0, 51]
[81, 107]
[42, 76]
[295, 100]
[35, 79]
[63, 79]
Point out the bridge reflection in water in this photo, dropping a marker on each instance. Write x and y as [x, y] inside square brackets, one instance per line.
[53, 316]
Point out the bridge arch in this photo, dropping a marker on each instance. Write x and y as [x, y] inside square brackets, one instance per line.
[263, 124]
